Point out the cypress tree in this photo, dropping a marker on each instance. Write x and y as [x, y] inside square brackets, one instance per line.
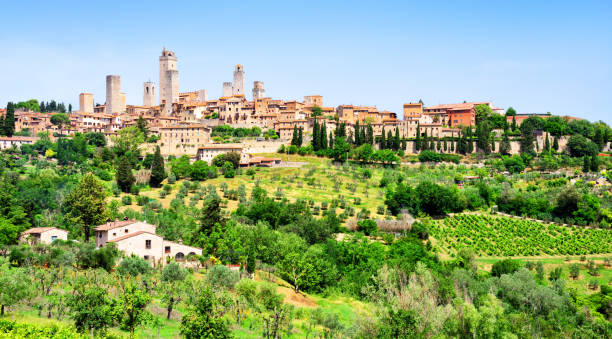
[294, 138]
[432, 144]
[362, 136]
[370, 134]
[547, 144]
[492, 142]
[504, 145]
[445, 145]
[158, 172]
[417, 140]
[586, 164]
[323, 135]
[357, 135]
[251, 262]
[594, 163]
[439, 145]
[315, 136]
[125, 177]
[300, 136]
[513, 123]
[331, 140]
[9, 120]
[396, 141]
[424, 143]
[556, 144]
[383, 143]
[389, 140]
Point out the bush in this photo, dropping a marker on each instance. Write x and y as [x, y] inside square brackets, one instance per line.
[126, 200]
[367, 226]
[430, 156]
[506, 266]
[222, 276]
[141, 200]
[134, 266]
[171, 178]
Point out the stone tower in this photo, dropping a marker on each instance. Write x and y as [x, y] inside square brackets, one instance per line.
[258, 90]
[148, 98]
[238, 80]
[227, 89]
[86, 102]
[202, 95]
[113, 94]
[168, 80]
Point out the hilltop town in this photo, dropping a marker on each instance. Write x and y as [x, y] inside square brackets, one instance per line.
[183, 121]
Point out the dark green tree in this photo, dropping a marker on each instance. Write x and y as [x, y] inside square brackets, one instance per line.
[158, 171]
[294, 137]
[383, 142]
[370, 134]
[323, 135]
[85, 204]
[125, 177]
[316, 140]
[9, 120]
[142, 126]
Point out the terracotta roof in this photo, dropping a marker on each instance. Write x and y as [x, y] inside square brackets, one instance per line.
[41, 230]
[15, 138]
[176, 243]
[220, 146]
[132, 235]
[114, 224]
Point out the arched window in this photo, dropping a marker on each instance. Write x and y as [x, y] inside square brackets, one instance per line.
[179, 256]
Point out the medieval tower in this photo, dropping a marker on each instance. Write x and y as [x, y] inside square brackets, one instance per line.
[238, 80]
[113, 94]
[86, 103]
[258, 90]
[168, 80]
[148, 97]
[227, 89]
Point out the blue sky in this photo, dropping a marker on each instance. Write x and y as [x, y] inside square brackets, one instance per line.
[536, 56]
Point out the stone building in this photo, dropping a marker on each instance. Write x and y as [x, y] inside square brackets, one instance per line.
[148, 96]
[209, 152]
[258, 90]
[113, 94]
[168, 80]
[138, 238]
[238, 88]
[43, 235]
[227, 90]
[184, 138]
[86, 103]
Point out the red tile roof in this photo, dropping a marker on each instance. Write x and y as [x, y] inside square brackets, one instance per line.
[114, 224]
[132, 235]
[41, 230]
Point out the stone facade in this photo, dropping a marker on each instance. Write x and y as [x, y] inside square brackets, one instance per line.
[148, 95]
[44, 235]
[227, 90]
[168, 80]
[258, 90]
[86, 103]
[113, 94]
[238, 88]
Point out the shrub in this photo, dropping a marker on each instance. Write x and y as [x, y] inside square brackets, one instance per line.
[506, 266]
[367, 226]
[222, 276]
[141, 200]
[171, 178]
[126, 200]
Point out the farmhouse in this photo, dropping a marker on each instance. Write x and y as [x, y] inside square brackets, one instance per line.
[138, 238]
[44, 235]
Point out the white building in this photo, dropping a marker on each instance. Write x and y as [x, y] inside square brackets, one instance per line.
[139, 238]
[43, 235]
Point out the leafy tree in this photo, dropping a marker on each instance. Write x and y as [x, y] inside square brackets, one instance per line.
[579, 146]
[506, 266]
[60, 120]
[125, 177]
[251, 262]
[134, 266]
[85, 204]
[128, 142]
[15, 286]
[181, 167]
[172, 278]
[228, 170]
[142, 126]
[131, 307]
[232, 157]
[211, 215]
[158, 171]
[367, 226]
[510, 112]
[341, 149]
[91, 308]
[527, 137]
[96, 139]
[203, 320]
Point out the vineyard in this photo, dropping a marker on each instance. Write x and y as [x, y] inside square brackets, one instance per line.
[505, 236]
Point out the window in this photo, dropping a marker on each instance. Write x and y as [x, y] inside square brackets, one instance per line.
[53, 237]
[99, 234]
[148, 244]
[167, 249]
[126, 230]
[146, 257]
[114, 234]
